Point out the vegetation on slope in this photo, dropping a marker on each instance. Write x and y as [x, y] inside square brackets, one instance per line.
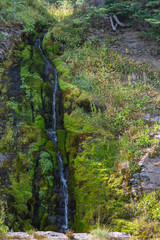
[104, 109]
[30, 14]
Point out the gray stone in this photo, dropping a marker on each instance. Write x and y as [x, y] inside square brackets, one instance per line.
[61, 236]
[150, 174]
[147, 116]
[82, 236]
[3, 158]
[119, 235]
[18, 235]
[144, 160]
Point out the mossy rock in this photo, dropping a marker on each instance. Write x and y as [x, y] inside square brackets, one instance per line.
[7, 141]
[44, 221]
[37, 105]
[51, 149]
[17, 54]
[39, 122]
[47, 96]
[72, 144]
[26, 53]
[42, 138]
[25, 68]
[61, 144]
[35, 81]
[56, 48]
[20, 46]
[38, 62]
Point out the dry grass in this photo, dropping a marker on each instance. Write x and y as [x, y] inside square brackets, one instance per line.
[40, 237]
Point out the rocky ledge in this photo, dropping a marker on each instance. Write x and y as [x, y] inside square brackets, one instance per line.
[61, 236]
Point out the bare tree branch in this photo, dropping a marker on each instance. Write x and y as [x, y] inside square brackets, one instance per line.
[119, 23]
[114, 27]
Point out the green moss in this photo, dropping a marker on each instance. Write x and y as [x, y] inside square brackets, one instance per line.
[42, 138]
[44, 222]
[38, 62]
[61, 144]
[27, 135]
[28, 225]
[37, 104]
[7, 141]
[26, 53]
[17, 54]
[26, 111]
[35, 81]
[51, 149]
[24, 68]
[56, 50]
[39, 122]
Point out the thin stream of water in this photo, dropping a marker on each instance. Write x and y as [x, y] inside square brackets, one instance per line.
[52, 134]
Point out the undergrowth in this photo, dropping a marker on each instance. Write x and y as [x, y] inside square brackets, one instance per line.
[104, 108]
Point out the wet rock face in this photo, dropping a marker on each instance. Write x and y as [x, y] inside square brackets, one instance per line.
[150, 173]
[148, 179]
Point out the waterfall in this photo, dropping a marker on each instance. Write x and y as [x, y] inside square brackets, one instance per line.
[63, 189]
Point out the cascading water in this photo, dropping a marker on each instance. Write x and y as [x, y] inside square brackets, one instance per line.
[63, 186]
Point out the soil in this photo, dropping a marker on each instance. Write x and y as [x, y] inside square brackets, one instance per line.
[130, 41]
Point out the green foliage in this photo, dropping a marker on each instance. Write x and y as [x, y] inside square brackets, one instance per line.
[26, 12]
[149, 206]
[44, 221]
[22, 192]
[61, 144]
[103, 119]
[46, 164]
[39, 122]
[3, 227]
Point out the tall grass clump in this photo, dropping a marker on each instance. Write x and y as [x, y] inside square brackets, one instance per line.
[100, 234]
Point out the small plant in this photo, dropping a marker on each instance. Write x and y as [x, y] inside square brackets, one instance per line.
[70, 234]
[101, 234]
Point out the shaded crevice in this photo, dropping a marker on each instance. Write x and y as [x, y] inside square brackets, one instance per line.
[36, 189]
